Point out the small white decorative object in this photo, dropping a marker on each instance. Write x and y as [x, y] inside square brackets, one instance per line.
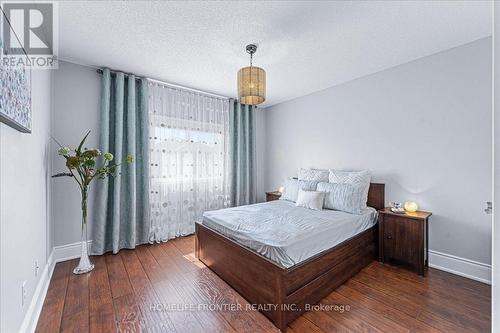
[397, 207]
[395, 204]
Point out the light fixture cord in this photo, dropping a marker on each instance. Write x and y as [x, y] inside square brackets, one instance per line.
[251, 58]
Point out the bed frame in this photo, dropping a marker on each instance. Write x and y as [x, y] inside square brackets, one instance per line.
[282, 294]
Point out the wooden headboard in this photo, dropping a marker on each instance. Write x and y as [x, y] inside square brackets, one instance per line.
[376, 196]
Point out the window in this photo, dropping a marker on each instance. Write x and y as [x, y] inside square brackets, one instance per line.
[188, 158]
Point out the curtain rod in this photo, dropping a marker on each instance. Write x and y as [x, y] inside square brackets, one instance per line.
[100, 71]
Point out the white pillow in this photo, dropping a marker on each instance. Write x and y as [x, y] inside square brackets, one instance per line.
[317, 175]
[344, 197]
[292, 186]
[310, 199]
[358, 178]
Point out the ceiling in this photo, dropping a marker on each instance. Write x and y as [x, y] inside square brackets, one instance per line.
[304, 46]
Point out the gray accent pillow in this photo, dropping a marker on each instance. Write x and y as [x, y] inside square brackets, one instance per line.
[344, 197]
[357, 178]
[292, 186]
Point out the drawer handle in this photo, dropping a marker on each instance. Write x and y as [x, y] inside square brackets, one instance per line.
[389, 237]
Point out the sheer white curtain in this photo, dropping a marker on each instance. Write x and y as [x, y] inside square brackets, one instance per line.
[189, 157]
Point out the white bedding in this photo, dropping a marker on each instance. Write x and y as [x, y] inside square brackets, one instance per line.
[287, 234]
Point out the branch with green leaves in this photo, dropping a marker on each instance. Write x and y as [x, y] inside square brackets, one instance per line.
[82, 164]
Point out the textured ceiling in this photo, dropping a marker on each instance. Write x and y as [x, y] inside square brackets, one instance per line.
[304, 46]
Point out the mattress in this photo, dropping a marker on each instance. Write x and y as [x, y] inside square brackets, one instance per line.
[285, 233]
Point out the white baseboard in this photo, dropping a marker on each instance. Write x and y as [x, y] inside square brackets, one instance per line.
[68, 251]
[460, 266]
[58, 254]
[31, 317]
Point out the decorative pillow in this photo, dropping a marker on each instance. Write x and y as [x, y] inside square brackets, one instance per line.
[310, 199]
[359, 178]
[344, 197]
[313, 174]
[292, 186]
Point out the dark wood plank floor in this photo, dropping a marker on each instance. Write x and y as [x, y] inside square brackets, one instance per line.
[163, 288]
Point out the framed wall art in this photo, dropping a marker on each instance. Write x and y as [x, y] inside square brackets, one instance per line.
[15, 88]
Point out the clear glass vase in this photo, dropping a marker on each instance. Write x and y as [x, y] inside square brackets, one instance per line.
[85, 265]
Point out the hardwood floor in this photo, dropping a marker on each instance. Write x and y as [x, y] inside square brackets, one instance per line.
[163, 288]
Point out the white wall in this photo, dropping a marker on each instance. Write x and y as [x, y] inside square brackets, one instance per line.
[76, 110]
[422, 128]
[24, 206]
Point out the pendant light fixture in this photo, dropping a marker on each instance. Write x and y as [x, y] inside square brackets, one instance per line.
[251, 81]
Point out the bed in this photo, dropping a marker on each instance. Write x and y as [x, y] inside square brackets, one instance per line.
[284, 268]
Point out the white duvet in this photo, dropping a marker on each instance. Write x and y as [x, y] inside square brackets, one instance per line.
[287, 234]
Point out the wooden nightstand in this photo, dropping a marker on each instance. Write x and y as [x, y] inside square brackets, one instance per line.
[274, 195]
[404, 238]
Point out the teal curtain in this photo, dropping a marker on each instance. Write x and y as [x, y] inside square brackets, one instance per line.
[242, 153]
[121, 218]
